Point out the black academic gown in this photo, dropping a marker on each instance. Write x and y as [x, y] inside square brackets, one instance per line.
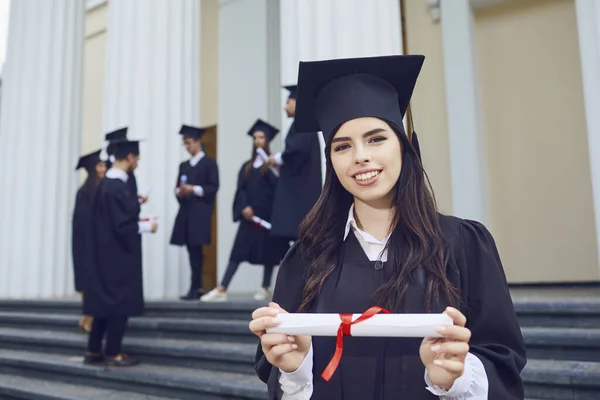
[390, 368]
[299, 183]
[252, 242]
[114, 285]
[80, 225]
[193, 221]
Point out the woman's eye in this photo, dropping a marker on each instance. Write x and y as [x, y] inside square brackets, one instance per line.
[341, 147]
[378, 139]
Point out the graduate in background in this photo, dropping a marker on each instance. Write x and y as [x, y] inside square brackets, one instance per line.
[95, 168]
[114, 287]
[196, 188]
[253, 204]
[374, 238]
[300, 179]
[121, 134]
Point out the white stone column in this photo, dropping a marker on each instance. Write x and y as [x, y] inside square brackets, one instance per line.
[588, 20]
[152, 86]
[40, 121]
[467, 148]
[319, 30]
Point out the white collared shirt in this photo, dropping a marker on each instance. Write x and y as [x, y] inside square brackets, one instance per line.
[472, 384]
[116, 173]
[196, 159]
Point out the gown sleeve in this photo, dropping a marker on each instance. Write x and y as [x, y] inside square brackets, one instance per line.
[298, 151]
[288, 294]
[211, 187]
[496, 337]
[123, 213]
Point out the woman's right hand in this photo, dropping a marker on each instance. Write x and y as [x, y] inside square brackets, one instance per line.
[282, 351]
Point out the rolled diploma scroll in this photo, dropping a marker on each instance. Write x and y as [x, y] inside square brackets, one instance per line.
[265, 158]
[262, 222]
[380, 325]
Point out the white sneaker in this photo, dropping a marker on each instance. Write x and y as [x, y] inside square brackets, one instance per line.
[214, 295]
[262, 294]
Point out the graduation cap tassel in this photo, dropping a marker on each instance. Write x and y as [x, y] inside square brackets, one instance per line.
[413, 137]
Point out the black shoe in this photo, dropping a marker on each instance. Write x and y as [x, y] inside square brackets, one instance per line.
[93, 359]
[122, 360]
[192, 295]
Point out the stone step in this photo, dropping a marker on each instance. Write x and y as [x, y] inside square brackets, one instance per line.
[22, 388]
[158, 380]
[562, 343]
[581, 313]
[231, 357]
[172, 309]
[235, 330]
[559, 379]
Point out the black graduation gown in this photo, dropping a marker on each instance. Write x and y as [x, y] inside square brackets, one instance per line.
[299, 184]
[252, 242]
[114, 284]
[390, 368]
[80, 225]
[193, 220]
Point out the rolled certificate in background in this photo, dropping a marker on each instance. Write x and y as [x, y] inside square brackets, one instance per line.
[262, 222]
[262, 154]
[380, 325]
[144, 195]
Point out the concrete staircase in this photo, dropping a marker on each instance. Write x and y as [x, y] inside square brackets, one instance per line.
[205, 351]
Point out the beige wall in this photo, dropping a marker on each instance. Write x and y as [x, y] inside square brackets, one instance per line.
[209, 58]
[93, 78]
[423, 36]
[532, 102]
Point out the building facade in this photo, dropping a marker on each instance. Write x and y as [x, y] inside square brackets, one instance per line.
[504, 108]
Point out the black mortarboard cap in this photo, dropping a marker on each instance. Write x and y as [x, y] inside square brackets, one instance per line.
[89, 161]
[293, 89]
[192, 131]
[118, 134]
[122, 147]
[335, 91]
[265, 127]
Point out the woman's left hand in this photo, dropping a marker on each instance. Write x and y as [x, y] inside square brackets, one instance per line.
[444, 357]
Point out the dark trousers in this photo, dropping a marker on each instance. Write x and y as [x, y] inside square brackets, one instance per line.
[114, 328]
[196, 261]
[232, 268]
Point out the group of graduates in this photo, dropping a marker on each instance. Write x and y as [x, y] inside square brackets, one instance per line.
[274, 193]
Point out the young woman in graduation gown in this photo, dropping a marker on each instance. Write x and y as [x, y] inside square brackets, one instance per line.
[95, 168]
[256, 187]
[374, 238]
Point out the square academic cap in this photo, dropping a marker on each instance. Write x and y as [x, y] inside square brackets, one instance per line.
[123, 147]
[260, 125]
[335, 91]
[192, 131]
[293, 89]
[89, 161]
[120, 133]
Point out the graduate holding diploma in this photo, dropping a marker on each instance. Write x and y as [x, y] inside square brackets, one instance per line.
[375, 243]
[252, 208]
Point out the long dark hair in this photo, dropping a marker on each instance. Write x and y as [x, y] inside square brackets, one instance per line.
[91, 182]
[416, 238]
[264, 168]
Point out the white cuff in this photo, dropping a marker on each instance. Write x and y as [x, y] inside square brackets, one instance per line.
[144, 226]
[298, 385]
[278, 158]
[198, 191]
[471, 385]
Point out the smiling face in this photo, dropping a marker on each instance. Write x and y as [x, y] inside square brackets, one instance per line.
[367, 159]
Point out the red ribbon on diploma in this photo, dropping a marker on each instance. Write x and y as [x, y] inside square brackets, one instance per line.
[344, 330]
